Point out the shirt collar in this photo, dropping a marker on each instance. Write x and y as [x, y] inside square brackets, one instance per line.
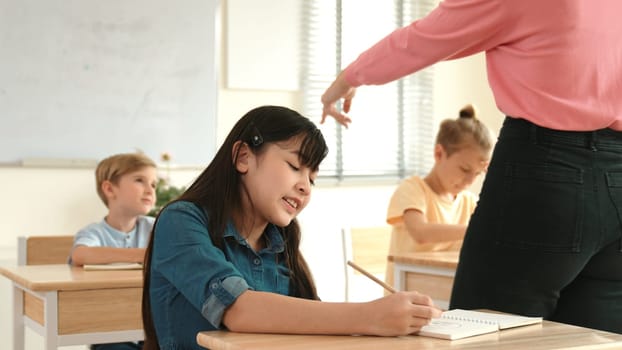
[122, 234]
[272, 234]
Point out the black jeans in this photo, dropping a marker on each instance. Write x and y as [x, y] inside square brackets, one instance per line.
[545, 238]
[118, 346]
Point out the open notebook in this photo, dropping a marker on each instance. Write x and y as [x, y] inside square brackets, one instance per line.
[458, 323]
[113, 266]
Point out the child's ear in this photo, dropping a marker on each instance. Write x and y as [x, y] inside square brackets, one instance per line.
[439, 152]
[241, 154]
[107, 189]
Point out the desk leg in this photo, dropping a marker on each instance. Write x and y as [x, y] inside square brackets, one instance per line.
[399, 277]
[18, 318]
[50, 338]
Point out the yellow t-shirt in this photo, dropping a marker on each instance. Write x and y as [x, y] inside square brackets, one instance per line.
[414, 193]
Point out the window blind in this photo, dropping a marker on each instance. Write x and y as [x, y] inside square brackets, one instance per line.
[391, 134]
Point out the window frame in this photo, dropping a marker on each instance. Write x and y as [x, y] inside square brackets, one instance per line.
[413, 96]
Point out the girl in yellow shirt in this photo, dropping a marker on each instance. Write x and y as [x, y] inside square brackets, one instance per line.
[431, 213]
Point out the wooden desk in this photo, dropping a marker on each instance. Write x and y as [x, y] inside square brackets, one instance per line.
[548, 335]
[430, 273]
[70, 306]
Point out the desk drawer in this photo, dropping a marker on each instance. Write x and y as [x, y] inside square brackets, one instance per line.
[437, 287]
[89, 311]
[99, 310]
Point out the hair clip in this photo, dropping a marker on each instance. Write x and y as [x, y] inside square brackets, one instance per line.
[256, 138]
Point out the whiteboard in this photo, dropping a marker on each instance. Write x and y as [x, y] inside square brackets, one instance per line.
[84, 79]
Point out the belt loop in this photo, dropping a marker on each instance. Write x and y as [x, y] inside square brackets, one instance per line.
[592, 136]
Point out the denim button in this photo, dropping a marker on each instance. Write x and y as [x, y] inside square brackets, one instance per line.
[257, 261]
[214, 285]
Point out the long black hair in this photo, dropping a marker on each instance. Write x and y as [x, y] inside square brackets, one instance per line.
[218, 190]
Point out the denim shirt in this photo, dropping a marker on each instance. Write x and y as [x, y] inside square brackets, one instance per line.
[193, 281]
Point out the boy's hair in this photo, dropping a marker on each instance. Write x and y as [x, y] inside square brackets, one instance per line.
[466, 130]
[112, 168]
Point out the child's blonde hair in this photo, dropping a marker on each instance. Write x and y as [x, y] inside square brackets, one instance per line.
[466, 130]
[112, 168]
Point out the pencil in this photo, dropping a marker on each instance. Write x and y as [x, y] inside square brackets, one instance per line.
[372, 277]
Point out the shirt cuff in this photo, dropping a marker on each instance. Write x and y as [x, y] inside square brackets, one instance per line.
[223, 294]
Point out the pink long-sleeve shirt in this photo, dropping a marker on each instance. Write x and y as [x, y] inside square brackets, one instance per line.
[557, 63]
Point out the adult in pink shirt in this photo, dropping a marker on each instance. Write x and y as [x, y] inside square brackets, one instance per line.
[546, 236]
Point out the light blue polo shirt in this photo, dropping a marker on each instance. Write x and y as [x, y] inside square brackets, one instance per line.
[100, 234]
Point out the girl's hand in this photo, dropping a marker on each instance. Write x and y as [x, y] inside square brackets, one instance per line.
[401, 313]
[337, 90]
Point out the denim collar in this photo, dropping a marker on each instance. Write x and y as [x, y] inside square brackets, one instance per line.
[275, 243]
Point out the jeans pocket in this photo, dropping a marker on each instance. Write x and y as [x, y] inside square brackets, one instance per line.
[541, 209]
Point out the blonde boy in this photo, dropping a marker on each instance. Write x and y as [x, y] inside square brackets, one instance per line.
[126, 184]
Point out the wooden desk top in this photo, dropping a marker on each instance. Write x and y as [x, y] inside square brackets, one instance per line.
[66, 277]
[548, 335]
[436, 259]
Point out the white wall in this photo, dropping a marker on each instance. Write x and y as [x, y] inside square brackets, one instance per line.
[43, 201]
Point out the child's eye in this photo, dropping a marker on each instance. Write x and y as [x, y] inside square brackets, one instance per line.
[312, 182]
[295, 168]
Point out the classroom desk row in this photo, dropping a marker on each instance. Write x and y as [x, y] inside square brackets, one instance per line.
[545, 336]
[70, 306]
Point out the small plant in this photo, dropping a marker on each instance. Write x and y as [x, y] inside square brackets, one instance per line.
[165, 192]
